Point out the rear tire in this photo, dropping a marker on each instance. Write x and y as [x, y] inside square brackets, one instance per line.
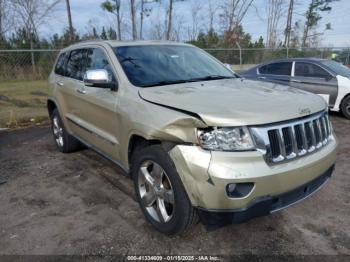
[160, 193]
[345, 107]
[64, 141]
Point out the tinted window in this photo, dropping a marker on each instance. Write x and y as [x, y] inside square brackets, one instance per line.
[283, 68]
[74, 65]
[96, 59]
[309, 70]
[59, 68]
[161, 64]
[336, 67]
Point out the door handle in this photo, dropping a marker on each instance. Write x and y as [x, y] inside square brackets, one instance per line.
[81, 91]
[295, 81]
[59, 83]
[262, 77]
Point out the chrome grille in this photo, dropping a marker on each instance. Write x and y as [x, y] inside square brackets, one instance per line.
[293, 139]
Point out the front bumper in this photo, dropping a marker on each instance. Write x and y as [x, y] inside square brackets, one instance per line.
[264, 205]
[205, 175]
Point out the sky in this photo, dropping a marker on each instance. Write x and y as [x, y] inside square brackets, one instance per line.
[88, 12]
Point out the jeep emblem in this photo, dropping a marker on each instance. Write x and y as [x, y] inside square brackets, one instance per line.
[304, 111]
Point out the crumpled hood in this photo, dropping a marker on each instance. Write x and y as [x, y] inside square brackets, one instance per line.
[234, 102]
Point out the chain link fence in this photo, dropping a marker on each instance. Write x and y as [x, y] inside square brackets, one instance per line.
[244, 58]
[26, 64]
[24, 73]
[37, 64]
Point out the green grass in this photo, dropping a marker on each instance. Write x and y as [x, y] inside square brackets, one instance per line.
[23, 102]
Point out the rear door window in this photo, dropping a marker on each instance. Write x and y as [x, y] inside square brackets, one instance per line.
[310, 70]
[74, 64]
[282, 68]
[60, 65]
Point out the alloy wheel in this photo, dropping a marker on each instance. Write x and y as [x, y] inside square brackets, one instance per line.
[156, 191]
[57, 131]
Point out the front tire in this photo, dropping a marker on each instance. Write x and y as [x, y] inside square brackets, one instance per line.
[345, 107]
[64, 141]
[160, 192]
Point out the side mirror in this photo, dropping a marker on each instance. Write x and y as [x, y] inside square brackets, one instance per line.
[99, 78]
[329, 77]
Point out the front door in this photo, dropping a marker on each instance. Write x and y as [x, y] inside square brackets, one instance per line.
[312, 78]
[278, 72]
[97, 116]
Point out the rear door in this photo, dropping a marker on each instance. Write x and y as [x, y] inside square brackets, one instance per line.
[279, 72]
[315, 79]
[68, 85]
[56, 79]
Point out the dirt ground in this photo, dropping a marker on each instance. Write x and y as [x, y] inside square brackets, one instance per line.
[80, 203]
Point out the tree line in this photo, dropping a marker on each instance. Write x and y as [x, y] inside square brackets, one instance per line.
[212, 23]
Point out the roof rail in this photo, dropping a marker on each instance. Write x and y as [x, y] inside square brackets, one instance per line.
[90, 40]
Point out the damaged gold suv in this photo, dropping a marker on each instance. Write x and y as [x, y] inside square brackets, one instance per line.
[198, 141]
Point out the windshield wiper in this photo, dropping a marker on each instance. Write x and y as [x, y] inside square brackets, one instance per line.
[210, 77]
[166, 82]
[205, 78]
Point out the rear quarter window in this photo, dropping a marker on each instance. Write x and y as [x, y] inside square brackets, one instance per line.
[60, 65]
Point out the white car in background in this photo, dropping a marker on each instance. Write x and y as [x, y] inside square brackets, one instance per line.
[327, 78]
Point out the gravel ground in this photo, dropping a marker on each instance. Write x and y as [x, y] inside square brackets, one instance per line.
[80, 203]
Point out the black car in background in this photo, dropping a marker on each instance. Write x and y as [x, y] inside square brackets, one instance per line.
[327, 78]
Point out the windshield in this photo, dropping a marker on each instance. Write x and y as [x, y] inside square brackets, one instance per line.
[151, 65]
[336, 67]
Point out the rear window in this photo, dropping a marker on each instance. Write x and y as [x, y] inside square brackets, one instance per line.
[283, 68]
[61, 61]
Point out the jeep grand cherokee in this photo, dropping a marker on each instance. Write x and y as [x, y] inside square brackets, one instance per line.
[197, 140]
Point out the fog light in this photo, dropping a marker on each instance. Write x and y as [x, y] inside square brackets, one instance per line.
[239, 190]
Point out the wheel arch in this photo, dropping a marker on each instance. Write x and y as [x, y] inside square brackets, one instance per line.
[51, 105]
[138, 141]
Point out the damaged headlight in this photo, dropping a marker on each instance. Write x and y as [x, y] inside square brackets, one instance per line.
[226, 139]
